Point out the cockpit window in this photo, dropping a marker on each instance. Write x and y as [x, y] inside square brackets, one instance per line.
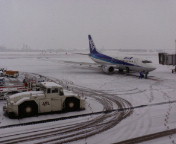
[146, 61]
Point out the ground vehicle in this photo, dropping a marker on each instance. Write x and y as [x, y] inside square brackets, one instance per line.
[50, 98]
[2, 81]
[10, 73]
[1, 73]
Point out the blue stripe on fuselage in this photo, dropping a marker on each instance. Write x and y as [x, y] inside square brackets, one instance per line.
[110, 59]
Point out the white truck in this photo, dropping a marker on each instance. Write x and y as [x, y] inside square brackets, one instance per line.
[50, 98]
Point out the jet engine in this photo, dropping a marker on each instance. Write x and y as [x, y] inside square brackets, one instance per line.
[108, 69]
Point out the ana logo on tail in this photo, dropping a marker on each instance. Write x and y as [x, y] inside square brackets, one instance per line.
[91, 43]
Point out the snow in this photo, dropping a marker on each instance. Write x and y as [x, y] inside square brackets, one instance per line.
[50, 84]
[160, 87]
[69, 93]
[28, 93]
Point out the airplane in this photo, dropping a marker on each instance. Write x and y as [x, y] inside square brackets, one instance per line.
[109, 64]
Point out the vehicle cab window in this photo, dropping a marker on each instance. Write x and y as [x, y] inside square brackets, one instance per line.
[55, 90]
[48, 90]
[61, 92]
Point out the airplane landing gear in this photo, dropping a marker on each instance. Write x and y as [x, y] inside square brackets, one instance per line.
[146, 75]
[143, 75]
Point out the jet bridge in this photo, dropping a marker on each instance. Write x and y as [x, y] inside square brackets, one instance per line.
[167, 59]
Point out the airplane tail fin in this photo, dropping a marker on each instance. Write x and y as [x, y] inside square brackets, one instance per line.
[92, 45]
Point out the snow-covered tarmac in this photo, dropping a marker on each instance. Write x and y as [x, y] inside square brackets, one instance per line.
[160, 87]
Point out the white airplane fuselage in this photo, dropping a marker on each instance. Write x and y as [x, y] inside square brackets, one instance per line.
[136, 64]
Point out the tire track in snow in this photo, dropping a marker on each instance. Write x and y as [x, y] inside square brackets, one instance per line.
[76, 131]
[166, 119]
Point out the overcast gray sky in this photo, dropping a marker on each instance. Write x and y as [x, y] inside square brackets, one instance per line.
[65, 24]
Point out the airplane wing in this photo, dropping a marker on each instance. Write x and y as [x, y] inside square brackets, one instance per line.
[90, 65]
[81, 54]
[83, 63]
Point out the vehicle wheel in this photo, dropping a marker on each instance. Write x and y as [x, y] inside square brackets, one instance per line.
[72, 104]
[28, 109]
